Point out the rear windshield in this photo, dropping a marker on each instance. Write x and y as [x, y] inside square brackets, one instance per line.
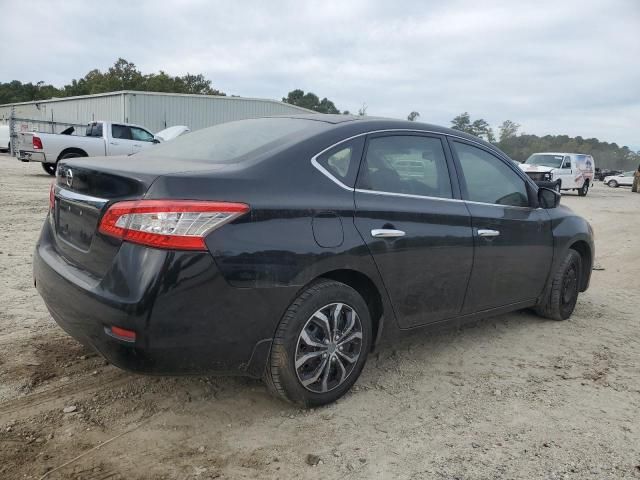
[235, 141]
[545, 160]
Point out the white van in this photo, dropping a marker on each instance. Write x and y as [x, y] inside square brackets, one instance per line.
[561, 171]
[4, 138]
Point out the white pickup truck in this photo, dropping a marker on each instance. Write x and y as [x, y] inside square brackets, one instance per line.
[101, 139]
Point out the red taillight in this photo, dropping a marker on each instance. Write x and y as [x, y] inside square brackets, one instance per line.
[170, 224]
[36, 142]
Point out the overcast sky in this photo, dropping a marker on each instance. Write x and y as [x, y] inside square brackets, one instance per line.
[559, 66]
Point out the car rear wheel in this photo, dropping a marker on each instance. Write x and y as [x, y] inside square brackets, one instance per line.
[565, 286]
[321, 345]
[613, 184]
[582, 192]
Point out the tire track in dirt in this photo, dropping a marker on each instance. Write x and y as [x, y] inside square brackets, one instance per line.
[52, 398]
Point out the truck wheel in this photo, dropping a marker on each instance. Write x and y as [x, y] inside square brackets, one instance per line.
[50, 168]
[582, 192]
[557, 187]
[320, 346]
[565, 285]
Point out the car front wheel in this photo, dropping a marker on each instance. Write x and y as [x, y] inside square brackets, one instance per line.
[321, 345]
[565, 285]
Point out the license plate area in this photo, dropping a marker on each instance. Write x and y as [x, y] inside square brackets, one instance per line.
[76, 223]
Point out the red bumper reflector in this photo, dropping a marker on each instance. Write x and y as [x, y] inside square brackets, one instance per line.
[123, 334]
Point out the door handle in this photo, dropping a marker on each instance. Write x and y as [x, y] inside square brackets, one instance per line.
[114, 143]
[484, 232]
[386, 233]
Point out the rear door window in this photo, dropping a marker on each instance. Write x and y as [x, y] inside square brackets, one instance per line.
[406, 164]
[122, 132]
[488, 179]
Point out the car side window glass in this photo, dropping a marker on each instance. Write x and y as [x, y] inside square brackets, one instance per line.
[489, 179]
[567, 162]
[120, 131]
[343, 160]
[407, 164]
[141, 135]
[338, 163]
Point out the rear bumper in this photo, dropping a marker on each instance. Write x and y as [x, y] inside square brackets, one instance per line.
[29, 156]
[187, 318]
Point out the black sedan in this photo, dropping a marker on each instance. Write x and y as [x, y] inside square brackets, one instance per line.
[286, 248]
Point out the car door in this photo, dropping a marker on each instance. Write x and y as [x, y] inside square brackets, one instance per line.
[120, 142]
[627, 179]
[565, 174]
[141, 139]
[513, 241]
[417, 231]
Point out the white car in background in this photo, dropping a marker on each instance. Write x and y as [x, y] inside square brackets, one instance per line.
[4, 138]
[623, 180]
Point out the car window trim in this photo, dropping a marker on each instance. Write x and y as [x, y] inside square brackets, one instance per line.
[328, 174]
[324, 171]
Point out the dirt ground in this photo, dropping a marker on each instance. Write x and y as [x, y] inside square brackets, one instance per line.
[514, 396]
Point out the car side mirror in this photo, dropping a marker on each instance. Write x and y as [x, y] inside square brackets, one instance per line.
[155, 140]
[548, 198]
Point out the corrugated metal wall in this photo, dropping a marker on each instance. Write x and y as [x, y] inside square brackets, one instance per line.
[157, 112]
[151, 110]
[72, 110]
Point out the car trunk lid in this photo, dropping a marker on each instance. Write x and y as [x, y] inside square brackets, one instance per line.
[83, 191]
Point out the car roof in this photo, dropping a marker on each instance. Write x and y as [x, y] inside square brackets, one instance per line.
[368, 123]
[560, 153]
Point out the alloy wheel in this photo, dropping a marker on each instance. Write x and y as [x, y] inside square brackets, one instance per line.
[328, 347]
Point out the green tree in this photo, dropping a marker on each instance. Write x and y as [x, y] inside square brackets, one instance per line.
[310, 101]
[413, 116]
[479, 128]
[463, 123]
[123, 75]
[508, 129]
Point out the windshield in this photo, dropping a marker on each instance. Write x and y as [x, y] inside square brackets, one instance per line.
[236, 141]
[545, 160]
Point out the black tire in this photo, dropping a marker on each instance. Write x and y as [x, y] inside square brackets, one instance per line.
[613, 184]
[50, 168]
[281, 375]
[582, 192]
[565, 286]
[558, 186]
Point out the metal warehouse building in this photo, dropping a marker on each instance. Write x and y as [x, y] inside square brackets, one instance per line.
[152, 110]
